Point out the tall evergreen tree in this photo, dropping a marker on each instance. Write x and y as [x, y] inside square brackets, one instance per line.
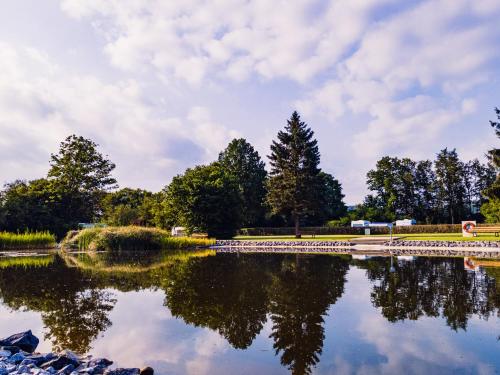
[295, 186]
[243, 163]
[450, 185]
[491, 209]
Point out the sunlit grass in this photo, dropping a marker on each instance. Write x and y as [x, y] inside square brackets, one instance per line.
[130, 238]
[25, 241]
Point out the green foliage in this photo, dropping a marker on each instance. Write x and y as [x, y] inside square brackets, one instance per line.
[447, 190]
[244, 165]
[27, 240]
[203, 199]
[129, 207]
[72, 193]
[79, 175]
[295, 186]
[493, 191]
[491, 210]
[129, 238]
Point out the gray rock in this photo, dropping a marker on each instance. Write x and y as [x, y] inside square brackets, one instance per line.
[59, 362]
[16, 358]
[123, 371]
[66, 369]
[23, 340]
[147, 371]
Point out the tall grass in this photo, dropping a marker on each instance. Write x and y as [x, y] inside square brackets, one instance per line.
[129, 238]
[26, 241]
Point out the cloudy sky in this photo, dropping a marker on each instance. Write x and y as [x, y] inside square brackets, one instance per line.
[164, 85]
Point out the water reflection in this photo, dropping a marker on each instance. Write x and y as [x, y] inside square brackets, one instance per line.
[250, 299]
[72, 307]
[431, 287]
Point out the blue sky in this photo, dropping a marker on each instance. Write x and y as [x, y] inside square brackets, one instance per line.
[163, 85]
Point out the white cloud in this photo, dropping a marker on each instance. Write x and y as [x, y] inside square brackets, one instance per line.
[40, 105]
[189, 39]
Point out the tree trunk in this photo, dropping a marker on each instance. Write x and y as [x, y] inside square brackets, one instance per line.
[297, 226]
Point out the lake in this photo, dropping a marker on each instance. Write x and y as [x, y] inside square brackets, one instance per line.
[212, 313]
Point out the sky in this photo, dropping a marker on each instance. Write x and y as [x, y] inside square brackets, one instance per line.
[165, 85]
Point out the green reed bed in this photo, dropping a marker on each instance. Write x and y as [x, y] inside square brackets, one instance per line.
[129, 238]
[26, 241]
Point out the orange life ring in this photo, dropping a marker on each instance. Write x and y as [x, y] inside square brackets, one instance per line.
[468, 227]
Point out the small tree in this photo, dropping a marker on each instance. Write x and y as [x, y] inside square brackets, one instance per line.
[295, 186]
[244, 164]
[80, 175]
[205, 199]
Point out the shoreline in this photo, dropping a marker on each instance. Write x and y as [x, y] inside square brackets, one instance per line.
[486, 249]
[17, 355]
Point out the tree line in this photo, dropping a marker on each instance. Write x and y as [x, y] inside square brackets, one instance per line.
[236, 190]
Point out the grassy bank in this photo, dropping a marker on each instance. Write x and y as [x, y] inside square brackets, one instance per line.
[26, 241]
[129, 238]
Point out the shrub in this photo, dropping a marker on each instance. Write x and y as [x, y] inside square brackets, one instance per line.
[130, 238]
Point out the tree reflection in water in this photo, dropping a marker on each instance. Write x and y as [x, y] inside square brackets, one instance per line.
[236, 294]
[431, 287]
[73, 310]
[300, 295]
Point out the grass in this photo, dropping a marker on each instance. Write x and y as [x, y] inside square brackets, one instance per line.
[129, 238]
[26, 241]
[337, 237]
[417, 237]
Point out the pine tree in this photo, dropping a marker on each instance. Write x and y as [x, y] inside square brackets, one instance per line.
[491, 209]
[295, 183]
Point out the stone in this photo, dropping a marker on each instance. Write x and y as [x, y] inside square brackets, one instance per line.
[16, 358]
[59, 362]
[147, 371]
[12, 349]
[40, 358]
[66, 369]
[123, 371]
[100, 362]
[23, 340]
[5, 353]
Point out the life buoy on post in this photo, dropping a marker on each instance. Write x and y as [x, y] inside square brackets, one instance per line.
[468, 228]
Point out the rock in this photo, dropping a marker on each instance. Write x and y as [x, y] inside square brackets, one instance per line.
[5, 353]
[66, 369]
[123, 371]
[24, 340]
[28, 361]
[59, 362]
[3, 370]
[16, 358]
[147, 371]
[40, 358]
[100, 362]
[12, 349]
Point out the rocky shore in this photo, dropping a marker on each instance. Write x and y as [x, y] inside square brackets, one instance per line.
[18, 356]
[414, 243]
[277, 244]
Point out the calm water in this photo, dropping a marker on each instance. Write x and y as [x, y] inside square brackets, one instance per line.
[260, 314]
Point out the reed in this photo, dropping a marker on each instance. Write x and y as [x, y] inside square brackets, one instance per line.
[27, 240]
[129, 238]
